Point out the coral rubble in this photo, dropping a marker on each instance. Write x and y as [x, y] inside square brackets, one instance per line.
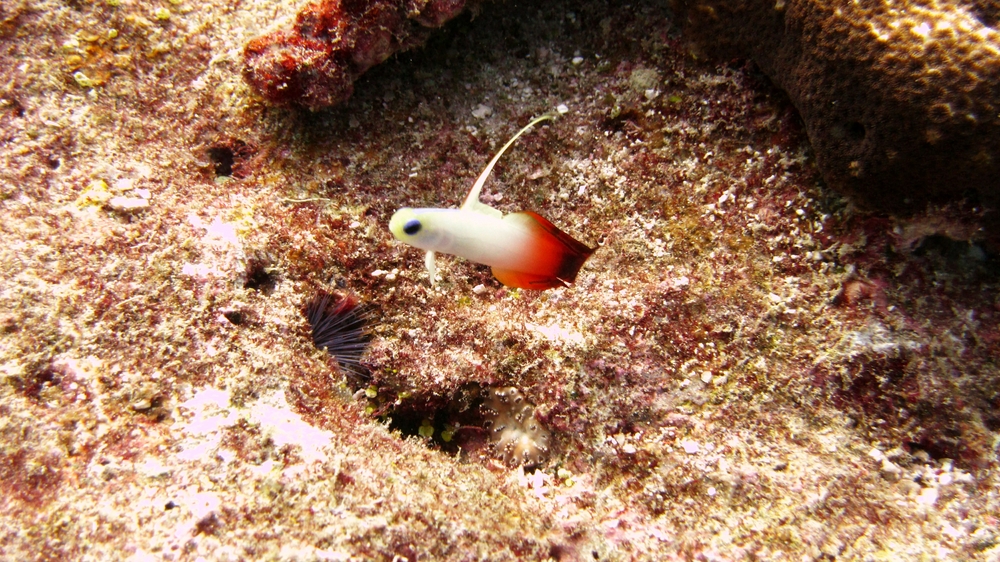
[314, 63]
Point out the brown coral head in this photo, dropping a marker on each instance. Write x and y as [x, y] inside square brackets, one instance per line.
[518, 437]
[314, 63]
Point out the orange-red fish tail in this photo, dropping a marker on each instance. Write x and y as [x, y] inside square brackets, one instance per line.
[557, 256]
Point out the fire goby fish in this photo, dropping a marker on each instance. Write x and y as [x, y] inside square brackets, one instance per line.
[524, 249]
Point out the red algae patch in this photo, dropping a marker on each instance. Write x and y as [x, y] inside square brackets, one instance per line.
[314, 63]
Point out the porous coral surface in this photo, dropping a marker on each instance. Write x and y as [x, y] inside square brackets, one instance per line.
[899, 97]
[747, 368]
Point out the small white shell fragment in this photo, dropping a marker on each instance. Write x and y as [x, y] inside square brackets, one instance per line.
[890, 471]
[628, 449]
[706, 377]
[479, 289]
[127, 204]
[577, 61]
[562, 108]
[379, 273]
[928, 496]
[482, 111]
[690, 447]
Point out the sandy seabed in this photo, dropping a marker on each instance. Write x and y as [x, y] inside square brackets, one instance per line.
[748, 368]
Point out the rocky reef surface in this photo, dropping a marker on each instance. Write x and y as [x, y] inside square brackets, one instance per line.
[748, 368]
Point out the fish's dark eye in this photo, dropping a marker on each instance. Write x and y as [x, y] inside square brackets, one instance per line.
[412, 227]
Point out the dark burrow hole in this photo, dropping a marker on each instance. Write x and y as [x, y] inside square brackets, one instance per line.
[629, 121]
[223, 158]
[959, 255]
[850, 131]
[232, 158]
[991, 415]
[15, 107]
[470, 425]
[457, 425]
[258, 276]
[235, 317]
[35, 382]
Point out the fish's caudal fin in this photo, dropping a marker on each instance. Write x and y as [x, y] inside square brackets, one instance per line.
[557, 260]
[472, 201]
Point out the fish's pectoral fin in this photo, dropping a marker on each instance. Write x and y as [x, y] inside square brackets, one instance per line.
[527, 280]
[473, 198]
[431, 264]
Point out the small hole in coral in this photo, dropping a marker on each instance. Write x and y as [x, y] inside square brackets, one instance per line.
[223, 158]
[170, 505]
[35, 383]
[856, 131]
[208, 525]
[235, 317]
[258, 277]
[17, 108]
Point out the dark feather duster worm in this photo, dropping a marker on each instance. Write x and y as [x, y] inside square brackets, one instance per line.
[340, 327]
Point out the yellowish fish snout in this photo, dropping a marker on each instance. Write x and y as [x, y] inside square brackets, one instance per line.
[404, 224]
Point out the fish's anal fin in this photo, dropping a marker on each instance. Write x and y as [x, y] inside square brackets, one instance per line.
[472, 200]
[431, 264]
[527, 280]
